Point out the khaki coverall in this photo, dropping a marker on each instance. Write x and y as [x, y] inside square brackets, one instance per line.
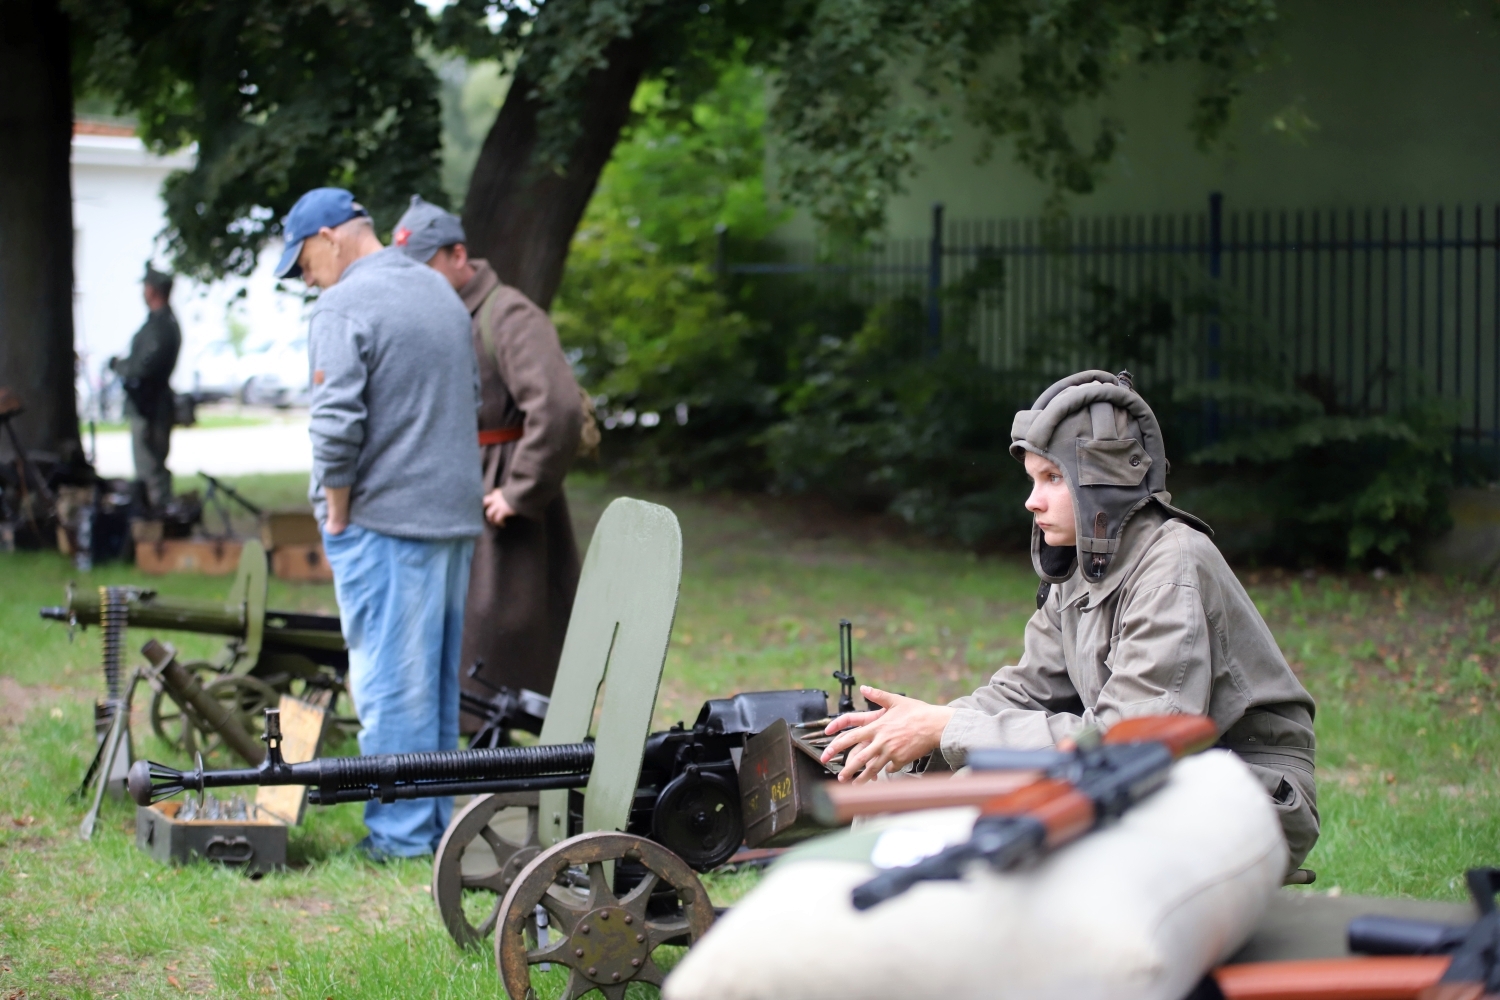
[1168, 630]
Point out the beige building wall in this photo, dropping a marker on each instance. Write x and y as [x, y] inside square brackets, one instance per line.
[1404, 94]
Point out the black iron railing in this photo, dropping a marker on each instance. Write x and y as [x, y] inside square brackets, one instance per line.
[1372, 305]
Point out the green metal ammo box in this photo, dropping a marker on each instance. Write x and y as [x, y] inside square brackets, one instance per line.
[257, 844]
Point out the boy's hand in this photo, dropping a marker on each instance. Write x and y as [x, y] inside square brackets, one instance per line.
[900, 731]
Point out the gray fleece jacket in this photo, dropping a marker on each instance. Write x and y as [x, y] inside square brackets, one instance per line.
[395, 394]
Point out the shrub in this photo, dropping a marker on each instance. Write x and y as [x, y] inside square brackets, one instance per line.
[776, 383]
[1304, 482]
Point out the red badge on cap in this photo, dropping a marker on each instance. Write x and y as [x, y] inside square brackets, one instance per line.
[401, 236]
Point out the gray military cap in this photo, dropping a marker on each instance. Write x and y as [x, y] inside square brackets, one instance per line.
[159, 280]
[425, 229]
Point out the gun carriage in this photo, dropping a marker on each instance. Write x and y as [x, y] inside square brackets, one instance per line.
[586, 847]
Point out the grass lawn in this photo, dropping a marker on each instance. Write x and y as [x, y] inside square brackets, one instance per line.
[1404, 670]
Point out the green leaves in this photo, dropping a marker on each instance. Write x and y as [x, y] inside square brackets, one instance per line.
[865, 85]
[285, 96]
[280, 97]
[641, 304]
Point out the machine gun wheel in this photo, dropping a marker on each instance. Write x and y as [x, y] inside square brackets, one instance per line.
[178, 725]
[605, 940]
[181, 725]
[247, 697]
[485, 847]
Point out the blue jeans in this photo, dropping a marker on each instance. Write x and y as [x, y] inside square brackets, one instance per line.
[401, 602]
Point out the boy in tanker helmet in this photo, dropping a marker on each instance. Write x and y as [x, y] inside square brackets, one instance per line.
[1137, 614]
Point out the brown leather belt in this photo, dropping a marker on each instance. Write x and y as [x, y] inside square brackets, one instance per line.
[499, 435]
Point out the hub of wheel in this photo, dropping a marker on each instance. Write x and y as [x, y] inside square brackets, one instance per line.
[604, 940]
[609, 945]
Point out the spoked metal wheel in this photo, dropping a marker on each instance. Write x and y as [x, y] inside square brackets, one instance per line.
[178, 725]
[485, 847]
[604, 941]
[247, 698]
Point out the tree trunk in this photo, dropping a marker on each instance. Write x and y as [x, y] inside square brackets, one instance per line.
[36, 225]
[522, 219]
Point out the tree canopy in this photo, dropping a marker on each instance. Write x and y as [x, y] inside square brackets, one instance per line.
[281, 97]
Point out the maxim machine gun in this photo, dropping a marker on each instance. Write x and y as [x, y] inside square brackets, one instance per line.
[589, 842]
[268, 653]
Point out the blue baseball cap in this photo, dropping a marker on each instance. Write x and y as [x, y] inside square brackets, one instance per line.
[318, 208]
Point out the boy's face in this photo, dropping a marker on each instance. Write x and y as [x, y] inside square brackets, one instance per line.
[1050, 502]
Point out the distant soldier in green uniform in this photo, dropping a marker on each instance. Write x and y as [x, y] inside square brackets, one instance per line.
[146, 373]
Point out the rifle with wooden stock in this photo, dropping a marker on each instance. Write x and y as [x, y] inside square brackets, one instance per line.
[1410, 960]
[1048, 798]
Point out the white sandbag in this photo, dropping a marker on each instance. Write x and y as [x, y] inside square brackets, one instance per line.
[1138, 911]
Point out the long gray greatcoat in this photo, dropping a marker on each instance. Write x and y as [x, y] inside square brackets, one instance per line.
[525, 573]
[1168, 630]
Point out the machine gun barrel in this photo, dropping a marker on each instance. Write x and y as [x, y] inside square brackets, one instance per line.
[144, 609]
[383, 776]
[147, 609]
[438, 789]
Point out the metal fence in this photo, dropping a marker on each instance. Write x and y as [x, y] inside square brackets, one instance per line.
[1372, 306]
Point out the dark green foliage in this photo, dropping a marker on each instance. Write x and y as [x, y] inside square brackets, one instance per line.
[1298, 481]
[1283, 470]
[795, 387]
[642, 307]
[864, 85]
[280, 97]
[555, 46]
[878, 421]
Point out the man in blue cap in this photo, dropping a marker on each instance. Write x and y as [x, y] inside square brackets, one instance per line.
[395, 485]
[531, 421]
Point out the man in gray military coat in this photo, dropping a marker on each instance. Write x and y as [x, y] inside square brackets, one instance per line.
[526, 564]
[146, 373]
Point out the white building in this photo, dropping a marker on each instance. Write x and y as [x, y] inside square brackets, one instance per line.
[118, 216]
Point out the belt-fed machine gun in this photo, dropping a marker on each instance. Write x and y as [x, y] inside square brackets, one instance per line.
[269, 652]
[592, 880]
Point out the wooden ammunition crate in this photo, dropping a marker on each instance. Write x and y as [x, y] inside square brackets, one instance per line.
[776, 780]
[289, 527]
[296, 546]
[258, 845]
[301, 564]
[211, 557]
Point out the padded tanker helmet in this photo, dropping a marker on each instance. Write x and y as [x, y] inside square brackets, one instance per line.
[1098, 430]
